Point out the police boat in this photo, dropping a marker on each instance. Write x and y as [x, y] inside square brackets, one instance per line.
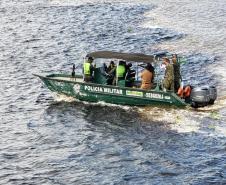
[126, 91]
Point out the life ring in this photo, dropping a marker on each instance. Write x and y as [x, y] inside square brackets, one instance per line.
[180, 92]
[187, 91]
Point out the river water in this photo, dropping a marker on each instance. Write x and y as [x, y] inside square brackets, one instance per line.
[54, 140]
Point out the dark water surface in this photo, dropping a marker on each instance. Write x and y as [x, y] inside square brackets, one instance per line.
[48, 140]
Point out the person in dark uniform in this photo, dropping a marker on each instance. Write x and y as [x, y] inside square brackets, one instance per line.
[130, 75]
[73, 71]
[177, 74]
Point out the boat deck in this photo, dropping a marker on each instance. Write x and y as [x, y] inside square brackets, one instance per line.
[68, 79]
[137, 84]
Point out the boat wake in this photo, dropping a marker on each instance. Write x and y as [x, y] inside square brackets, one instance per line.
[220, 103]
[64, 98]
[210, 120]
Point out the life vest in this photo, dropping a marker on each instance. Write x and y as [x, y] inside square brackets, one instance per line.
[120, 71]
[180, 92]
[86, 68]
[183, 93]
[187, 91]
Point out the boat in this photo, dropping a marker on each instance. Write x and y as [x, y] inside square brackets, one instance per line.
[100, 91]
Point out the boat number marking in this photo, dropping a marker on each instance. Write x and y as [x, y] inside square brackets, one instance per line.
[134, 93]
[154, 95]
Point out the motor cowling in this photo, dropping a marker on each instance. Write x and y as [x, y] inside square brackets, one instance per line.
[202, 96]
[199, 97]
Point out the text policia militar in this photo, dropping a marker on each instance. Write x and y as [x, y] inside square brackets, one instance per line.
[127, 92]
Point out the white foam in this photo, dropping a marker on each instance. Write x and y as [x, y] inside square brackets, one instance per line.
[67, 2]
[220, 130]
[181, 120]
[188, 120]
[61, 97]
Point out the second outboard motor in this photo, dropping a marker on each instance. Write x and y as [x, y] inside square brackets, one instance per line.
[200, 96]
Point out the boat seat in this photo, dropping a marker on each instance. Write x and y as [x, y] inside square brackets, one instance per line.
[99, 77]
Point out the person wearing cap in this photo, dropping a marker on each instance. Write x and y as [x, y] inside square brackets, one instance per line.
[177, 74]
[147, 77]
[168, 82]
[88, 69]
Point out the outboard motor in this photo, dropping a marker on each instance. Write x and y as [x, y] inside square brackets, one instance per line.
[200, 97]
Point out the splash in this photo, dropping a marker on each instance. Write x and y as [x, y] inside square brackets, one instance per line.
[219, 104]
[61, 97]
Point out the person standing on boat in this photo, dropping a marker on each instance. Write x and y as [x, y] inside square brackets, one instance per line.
[111, 70]
[73, 71]
[147, 77]
[88, 69]
[168, 82]
[177, 75]
[120, 72]
[111, 67]
[130, 75]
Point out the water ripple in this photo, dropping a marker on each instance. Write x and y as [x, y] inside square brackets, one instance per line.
[45, 140]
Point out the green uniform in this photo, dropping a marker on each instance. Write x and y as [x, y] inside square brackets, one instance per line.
[120, 71]
[86, 68]
[168, 81]
[120, 74]
[88, 71]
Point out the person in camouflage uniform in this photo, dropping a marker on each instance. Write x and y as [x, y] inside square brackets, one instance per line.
[168, 82]
[177, 75]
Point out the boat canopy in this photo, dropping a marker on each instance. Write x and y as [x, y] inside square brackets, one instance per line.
[135, 57]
